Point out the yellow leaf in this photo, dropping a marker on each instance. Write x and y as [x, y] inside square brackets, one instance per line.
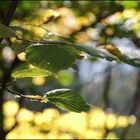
[115, 51]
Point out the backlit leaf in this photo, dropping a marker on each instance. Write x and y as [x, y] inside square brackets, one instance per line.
[50, 57]
[96, 52]
[67, 99]
[113, 54]
[32, 72]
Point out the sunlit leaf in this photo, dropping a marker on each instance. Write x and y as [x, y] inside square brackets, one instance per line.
[32, 72]
[67, 99]
[6, 31]
[96, 52]
[50, 57]
[113, 54]
[114, 50]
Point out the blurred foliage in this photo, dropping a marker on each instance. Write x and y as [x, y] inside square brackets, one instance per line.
[66, 78]
[50, 124]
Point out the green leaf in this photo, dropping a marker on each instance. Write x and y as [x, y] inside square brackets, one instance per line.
[132, 62]
[50, 57]
[96, 52]
[32, 72]
[5, 31]
[67, 99]
[77, 53]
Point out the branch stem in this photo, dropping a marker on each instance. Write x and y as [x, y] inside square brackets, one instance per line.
[30, 97]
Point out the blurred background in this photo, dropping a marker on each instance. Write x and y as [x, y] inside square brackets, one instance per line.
[112, 89]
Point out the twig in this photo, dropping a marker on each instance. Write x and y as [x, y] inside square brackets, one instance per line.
[13, 92]
[50, 33]
[44, 41]
[8, 84]
[30, 97]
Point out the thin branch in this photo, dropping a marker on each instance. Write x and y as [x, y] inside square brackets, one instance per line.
[30, 97]
[44, 41]
[50, 33]
[9, 83]
[14, 92]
